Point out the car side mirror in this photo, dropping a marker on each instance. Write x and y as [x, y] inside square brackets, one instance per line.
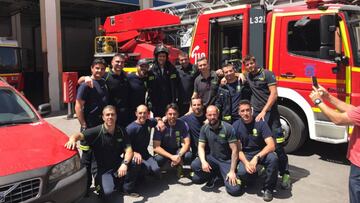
[44, 109]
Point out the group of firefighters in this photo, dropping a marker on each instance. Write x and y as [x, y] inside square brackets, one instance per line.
[224, 124]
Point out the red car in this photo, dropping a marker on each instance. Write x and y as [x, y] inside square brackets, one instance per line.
[34, 165]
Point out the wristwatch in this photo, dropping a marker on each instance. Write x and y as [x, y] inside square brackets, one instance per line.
[126, 163]
[317, 101]
[258, 157]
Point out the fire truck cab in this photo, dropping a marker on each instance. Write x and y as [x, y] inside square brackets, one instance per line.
[296, 43]
[10, 63]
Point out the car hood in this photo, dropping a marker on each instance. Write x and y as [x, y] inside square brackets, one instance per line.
[31, 146]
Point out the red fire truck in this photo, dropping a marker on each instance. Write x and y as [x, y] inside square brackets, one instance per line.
[10, 63]
[295, 40]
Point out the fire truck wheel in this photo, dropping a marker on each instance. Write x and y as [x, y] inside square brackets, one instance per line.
[293, 129]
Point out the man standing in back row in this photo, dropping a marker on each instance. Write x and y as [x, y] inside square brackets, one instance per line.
[138, 86]
[206, 84]
[264, 101]
[163, 82]
[187, 72]
[88, 107]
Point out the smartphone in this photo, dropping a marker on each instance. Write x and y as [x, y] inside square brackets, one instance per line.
[314, 81]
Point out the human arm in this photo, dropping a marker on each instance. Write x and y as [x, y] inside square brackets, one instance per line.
[201, 152]
[231, 176]
[71, 143]
[340, 105]
[249, 168]
[137, 158]
[127, 159]
[185, 147]
[242, 78]
[159, 150]
[87, 80]
[269, 147]
[79, 106]
[269, 103]
[220, 73]
[160, 125]
[339, 118]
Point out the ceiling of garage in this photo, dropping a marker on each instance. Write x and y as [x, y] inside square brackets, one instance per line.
[69, 8]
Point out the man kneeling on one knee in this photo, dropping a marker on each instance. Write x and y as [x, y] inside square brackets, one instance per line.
[258, 147]
[220, 137]
[172, 144]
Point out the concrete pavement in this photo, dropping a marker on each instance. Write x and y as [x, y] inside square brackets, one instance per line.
[319, 173]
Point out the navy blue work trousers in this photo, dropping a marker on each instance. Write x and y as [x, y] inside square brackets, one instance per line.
[161, 160]
[150, 166]
[270, 162]
[218, 166]
[110, 183]
[272, 118]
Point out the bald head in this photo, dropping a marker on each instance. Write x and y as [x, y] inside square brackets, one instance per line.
[142, 107]
[212, 114]
[142, 114]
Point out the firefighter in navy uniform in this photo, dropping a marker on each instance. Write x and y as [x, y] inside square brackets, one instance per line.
[264, 101]
[230, 94]
[222, 158]
[163, 82]
[258, 147]
[187, 72]
[88, 108]
[113, 153]
[119, 89]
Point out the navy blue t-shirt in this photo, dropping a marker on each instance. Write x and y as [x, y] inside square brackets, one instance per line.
[259, 85]
[194, 123]
[252, 135]
[218, 140]
[95, 100]
[187, 77]
[172, 137]
[140, 136]
[107, 148]
[119, 95]
[138, 88]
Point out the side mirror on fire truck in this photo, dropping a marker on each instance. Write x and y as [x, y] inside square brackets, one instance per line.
[327, 36]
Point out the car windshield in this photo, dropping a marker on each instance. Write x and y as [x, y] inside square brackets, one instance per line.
[14, 110]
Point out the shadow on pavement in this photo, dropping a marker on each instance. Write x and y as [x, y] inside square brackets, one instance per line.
[335, 153]
[152, 187]
[296, 174]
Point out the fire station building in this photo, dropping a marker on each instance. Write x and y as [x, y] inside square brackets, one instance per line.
[57, 36]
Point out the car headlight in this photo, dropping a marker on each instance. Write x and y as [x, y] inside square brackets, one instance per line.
[65, 168]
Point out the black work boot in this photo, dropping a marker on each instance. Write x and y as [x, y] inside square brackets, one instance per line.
[268, 195]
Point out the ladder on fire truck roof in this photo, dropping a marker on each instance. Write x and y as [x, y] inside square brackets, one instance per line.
[189, 10]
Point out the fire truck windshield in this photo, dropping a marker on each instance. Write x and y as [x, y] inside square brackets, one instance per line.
[9, 60]
[354, 23]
